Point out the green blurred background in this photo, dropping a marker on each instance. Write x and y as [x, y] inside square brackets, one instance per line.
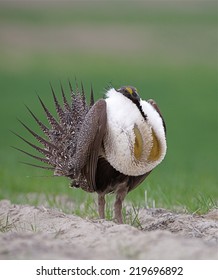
[167, 49]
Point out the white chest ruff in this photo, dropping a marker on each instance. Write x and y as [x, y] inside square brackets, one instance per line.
[122, 116]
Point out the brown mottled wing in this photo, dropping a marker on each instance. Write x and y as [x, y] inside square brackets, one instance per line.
[89, 142]
[154, 105]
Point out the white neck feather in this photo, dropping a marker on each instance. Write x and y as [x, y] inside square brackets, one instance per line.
[122, 116]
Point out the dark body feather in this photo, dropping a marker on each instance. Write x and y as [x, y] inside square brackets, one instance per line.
[107, 178]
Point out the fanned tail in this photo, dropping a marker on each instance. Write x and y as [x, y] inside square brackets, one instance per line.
[58, 145]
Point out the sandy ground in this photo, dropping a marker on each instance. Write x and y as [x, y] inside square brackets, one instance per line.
[29, 232]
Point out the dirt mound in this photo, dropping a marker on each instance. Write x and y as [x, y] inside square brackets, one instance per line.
[29, 232]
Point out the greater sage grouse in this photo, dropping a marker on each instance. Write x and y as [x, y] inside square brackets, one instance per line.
[106, 146]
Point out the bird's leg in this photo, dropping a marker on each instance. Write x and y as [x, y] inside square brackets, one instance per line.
[101, 205]
[120, 195]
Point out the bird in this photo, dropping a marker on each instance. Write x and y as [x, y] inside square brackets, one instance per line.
[107, 146]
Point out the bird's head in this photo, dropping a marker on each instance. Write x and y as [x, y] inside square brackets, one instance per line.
[130, 92]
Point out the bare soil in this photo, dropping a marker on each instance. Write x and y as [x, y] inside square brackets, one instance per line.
[30, 232]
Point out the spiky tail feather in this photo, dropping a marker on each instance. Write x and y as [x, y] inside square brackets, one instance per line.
[59, 143]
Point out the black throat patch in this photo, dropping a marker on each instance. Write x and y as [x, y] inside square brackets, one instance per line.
[136, 102]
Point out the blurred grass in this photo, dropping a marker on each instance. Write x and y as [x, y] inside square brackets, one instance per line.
[170, 55]
[139, 12]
